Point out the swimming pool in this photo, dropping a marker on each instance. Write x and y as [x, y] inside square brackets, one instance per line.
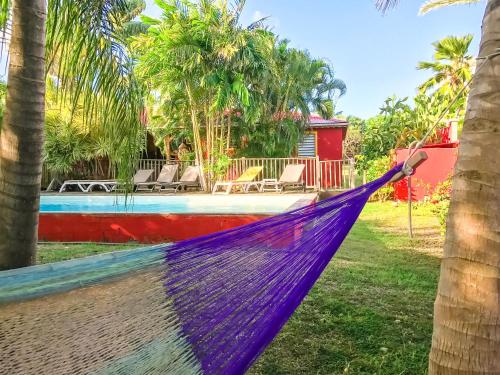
[185, 204]
[154, 218]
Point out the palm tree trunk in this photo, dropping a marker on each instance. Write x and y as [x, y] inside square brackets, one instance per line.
[198, 148]
[21, 136]
[166, 147]
[466, 338]
[228, 141]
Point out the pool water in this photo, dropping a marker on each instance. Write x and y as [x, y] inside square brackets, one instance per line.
[185, 204]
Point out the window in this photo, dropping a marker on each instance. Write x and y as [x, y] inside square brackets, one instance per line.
[307, 148]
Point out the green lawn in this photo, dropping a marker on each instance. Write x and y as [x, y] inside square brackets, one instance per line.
[55, 252]
[371, 311]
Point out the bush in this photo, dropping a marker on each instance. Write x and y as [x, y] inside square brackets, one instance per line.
[375, 169]
[440, 200]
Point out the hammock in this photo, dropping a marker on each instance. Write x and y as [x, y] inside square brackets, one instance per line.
[208, 305]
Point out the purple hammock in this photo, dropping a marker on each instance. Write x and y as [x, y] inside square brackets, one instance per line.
[228, 294]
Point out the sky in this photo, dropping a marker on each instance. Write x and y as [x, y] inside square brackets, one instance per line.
[374, 54]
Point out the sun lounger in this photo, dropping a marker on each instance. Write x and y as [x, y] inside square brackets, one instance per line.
[140, 177]
[245, 182]
[190, 178]
[291, 177]
[85, 186]
[166, 176]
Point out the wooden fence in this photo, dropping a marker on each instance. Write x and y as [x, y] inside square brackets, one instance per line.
[318, 175]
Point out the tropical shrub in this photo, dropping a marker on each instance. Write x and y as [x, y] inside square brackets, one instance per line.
[65, 145]
[440, 201]
[375, 169]
[353, 142]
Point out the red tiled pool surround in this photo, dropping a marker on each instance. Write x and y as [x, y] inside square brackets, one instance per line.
[143, 228]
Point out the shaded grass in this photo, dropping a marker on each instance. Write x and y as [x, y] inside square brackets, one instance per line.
[56, 252]
[371, 310]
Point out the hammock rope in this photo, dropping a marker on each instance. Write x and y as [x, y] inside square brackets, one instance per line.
[208, 305]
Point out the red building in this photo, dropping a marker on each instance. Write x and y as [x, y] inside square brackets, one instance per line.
[438, 167]
[323, 138]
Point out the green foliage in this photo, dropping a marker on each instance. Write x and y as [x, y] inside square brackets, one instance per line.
[401, 124]
[353, 143]
[452, 69]
[90, 61]
[65, 145]
[375, 169]
[380, 135]
[228, 82]
[440, 200]
[219, 167]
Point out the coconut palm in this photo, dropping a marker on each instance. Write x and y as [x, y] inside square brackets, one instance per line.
[77, 43]
[467, 308]
[295, 85]
[199, 55]
[452, 68]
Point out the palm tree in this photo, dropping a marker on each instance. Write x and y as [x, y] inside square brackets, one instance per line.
[452, 67]
[199, 55]
[467, 309]
[76, 42]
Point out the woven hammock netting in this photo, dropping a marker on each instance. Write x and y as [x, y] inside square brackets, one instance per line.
[208, 305]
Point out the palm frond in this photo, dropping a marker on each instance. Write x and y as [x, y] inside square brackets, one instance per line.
[4, 13]
[436, 4]
[385, 5]
[86, 53]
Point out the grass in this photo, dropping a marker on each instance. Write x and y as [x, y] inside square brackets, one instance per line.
[55, 252]
[370, 312]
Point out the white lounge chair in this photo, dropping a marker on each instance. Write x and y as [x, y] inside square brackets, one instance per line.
[291, 176]
[85, 186]
[190, 178]
[166, 176]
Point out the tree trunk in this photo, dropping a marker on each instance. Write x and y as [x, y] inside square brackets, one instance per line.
[198, 148]
[466, 338]
[166, 145]
[228, 141]
[21, 136]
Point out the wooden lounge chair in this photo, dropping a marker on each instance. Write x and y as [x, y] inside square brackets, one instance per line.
[166, 176]
[245, 182]
[291, 176]
[190, 178]
[85, 186]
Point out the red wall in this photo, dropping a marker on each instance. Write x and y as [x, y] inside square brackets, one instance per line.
[144, 228]
[329, 143]
[436, 169]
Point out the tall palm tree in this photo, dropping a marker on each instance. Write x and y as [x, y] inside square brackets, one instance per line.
[452, 65]
[75, 41]
[466, 337]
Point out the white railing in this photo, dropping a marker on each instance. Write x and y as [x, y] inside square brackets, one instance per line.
[157, 164]
[318, 175]
[337, 174]
[274, 167]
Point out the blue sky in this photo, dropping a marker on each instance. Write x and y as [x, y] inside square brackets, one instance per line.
[374, 54]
